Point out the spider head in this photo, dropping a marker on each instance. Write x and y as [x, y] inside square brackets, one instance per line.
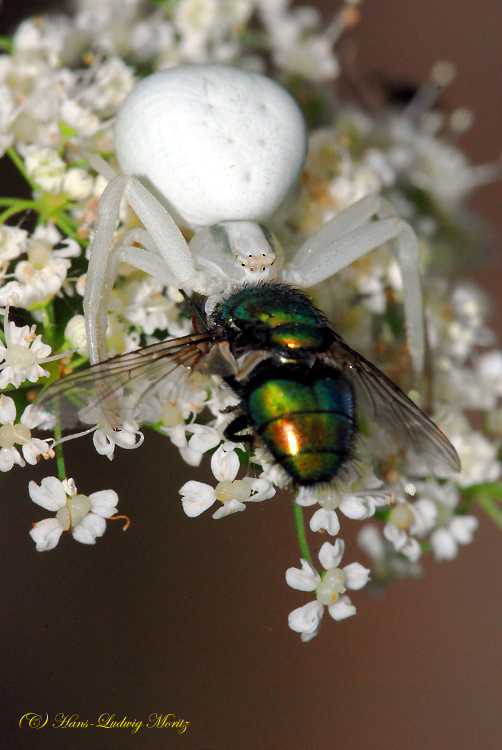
[235, 252]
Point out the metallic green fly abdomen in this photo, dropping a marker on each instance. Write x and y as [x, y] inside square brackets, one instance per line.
[305, 417]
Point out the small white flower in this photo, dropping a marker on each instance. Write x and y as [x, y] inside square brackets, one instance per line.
[105, 438]
[203, 438]
[478, 458]
[75, 333]
[225, 462]
[41, 276]
[46, 167]
[7, 114]
[330, 589]
[177, 435]
[43, 37]
[12, 434]
[78, 184]
[81, 119]
[402, 542]
[354, 505]
[387, 563]
[198, 497]
[447, 530]
[12, 244]
[82, 515]
[114, 79]
[489, 376]
[445, 540]
[22, 355]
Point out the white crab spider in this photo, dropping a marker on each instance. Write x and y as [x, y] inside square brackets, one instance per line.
[221, 148]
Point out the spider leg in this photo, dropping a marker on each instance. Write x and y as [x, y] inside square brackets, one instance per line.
[165, 235]
[350, 235]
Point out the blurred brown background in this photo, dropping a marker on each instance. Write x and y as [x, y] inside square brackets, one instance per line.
[189, 617]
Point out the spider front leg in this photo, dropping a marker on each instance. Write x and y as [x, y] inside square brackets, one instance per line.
[352, 234]
[167, 249]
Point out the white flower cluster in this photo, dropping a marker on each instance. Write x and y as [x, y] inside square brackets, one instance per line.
[60, 89]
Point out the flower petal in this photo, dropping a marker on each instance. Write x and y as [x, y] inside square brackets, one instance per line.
[89, 529]
[325, 520]
[353, 507]
[305, 579]
[443, 545]
[9, 457]
[331, 554]
[306, 620]
[196, 497]
[233, 506]
[262, 489]
[46, 534]
[203, 438]
[356, 576]
[371, 542]
[50, 494]
[342, 609]
[104, 502]
[224, 462]
[31, 417]
[463, 528]
[7, 409]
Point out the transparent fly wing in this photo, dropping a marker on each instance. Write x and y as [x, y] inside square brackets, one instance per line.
[123, 387]
[401, 418]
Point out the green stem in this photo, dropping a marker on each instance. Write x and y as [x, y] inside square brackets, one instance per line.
[16, 209]
[68, 226]
[300, 532]
[6, 44]
[49, 327]
[59, 453]
[14, 156]
[11, 201]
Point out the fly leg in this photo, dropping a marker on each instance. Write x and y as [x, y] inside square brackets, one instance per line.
[234, 429]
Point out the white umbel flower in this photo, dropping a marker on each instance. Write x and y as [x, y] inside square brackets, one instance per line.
[46, 167]
[232, 494]
[82, 515]
[446, 539]
[12, 244]
[14, 433]
[22, 355]
[330, 589]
